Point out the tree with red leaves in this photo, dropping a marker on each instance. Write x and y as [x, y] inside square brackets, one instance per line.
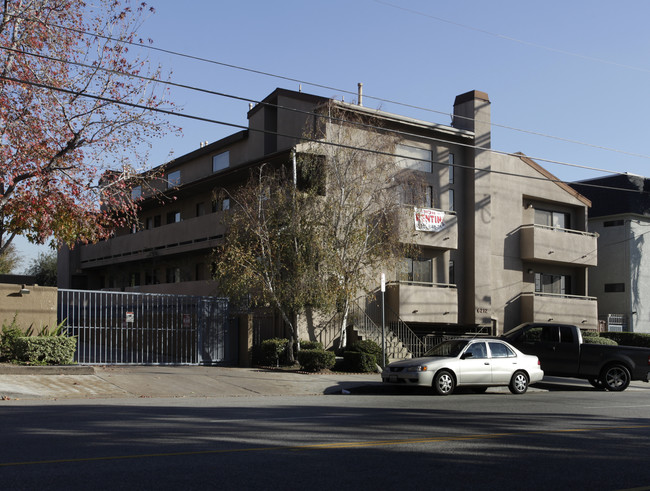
[76, 107]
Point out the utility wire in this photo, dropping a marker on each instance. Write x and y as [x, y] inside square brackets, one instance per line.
[322, 86]
[364, 125]
[284, 135]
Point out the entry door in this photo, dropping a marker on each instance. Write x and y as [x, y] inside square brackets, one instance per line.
[476, 368]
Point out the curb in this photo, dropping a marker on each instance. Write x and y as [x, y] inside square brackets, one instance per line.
[9, 369]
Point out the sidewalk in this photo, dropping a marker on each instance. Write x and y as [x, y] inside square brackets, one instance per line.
[83, 382]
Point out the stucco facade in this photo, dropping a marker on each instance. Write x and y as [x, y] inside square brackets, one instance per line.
[493, 264]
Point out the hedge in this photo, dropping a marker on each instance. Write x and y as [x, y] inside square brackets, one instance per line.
[271, 352]
[313, 360]
[45, 350]
[370, 347]
[629, 338]
[358, 361]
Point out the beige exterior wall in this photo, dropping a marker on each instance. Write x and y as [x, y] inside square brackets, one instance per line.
[36, 309]
[490, 235]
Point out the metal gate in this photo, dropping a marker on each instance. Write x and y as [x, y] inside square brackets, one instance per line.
[115, 328]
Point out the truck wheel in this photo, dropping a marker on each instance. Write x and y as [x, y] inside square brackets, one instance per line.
[615, 377]
[444, 383]
[597, 383]
[518, 383]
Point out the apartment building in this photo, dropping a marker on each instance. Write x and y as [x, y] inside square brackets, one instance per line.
[501, 240]
[621, 218]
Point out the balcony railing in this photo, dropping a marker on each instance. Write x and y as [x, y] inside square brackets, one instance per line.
[423, 302]
[551, 307]
[558, 245]
[188, 235]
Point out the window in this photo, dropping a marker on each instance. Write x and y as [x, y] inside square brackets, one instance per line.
[173, 179]
[452, 273]
[428, 197]
[149, 223]
[500, 350]
[173, 217]
[452, 204]
[221, 161]
[173, 275]
[451, 168]
[136, 192]
[200, 209]
[552, 283]
[413, 158]
[416, 270]
[477, 350]
[614, 287]
[614, 223]
[157, 221]
[555, 219]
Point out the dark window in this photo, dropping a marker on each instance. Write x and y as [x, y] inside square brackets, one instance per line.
[614, 287]
[614, 223]
[552, 283]
[566, 334]
[416, 270]
[156, 221]
[173, 217]
[200, 209]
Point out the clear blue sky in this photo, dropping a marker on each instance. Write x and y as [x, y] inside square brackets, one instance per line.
[577, 70]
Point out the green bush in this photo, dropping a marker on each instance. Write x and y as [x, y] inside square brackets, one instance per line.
[271, 352]
[599, 340]
[314, 360]
[629, 338]
[369, 347]
[311, 345]
[358, 361]
[45, 350]
[8, 342]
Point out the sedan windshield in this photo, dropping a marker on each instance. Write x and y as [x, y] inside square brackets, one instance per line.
[448, 348]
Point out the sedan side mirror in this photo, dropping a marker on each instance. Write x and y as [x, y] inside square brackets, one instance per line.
[466, 355]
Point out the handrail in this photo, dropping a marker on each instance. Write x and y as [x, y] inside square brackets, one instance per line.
[559, 229]
[559, 295]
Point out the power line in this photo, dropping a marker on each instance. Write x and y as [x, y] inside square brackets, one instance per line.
[364, 125]
[379, 99]
[301, 138]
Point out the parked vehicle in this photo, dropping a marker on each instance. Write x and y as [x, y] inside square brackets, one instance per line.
[476, 363]
[563, 353]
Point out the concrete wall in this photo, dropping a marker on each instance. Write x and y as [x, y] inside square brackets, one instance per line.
[36, 308]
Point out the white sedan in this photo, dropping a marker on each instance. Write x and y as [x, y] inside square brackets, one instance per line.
[476, 363]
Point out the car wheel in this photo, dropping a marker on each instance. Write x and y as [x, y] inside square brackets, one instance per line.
[444, 383]
[479, 390]
[615, 378]
[597, 383]
[518, 383]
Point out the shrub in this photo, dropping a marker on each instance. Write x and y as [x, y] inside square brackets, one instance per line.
[8, 342]
[358, 361]
[629, 338]
[46, 350]
[369, 347]
[599, 340]
[314, 360]
[311, 345]
[271, 351]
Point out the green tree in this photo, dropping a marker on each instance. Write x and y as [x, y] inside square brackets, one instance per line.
[361, 211]
[44, 268]
[9, 260]
[270, 254]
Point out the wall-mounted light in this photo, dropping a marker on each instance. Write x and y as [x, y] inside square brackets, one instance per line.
[415, 312]
[530, 271]
[550, 319]
[24, 290]
[584, 321]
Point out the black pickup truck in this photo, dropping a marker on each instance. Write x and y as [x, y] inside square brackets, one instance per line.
[563, 353]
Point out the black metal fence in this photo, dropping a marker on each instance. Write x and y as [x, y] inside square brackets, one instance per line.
[144, 328]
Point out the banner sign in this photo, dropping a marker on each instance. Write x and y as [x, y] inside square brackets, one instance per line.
[428, 220]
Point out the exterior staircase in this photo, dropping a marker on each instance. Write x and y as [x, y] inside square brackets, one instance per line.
[401, 341]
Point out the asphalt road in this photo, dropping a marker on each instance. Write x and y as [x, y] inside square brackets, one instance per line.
[375, 438]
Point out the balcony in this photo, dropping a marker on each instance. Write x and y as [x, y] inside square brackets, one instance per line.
[444, 236]
[198, 233]
[549, 307]
[558, 245]
[423, 302]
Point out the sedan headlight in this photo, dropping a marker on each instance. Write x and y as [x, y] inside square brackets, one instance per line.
[417, 368]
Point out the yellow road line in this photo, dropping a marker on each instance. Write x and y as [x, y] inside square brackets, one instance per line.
[323, 446]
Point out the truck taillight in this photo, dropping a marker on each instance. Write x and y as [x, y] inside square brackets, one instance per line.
[648, 360]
